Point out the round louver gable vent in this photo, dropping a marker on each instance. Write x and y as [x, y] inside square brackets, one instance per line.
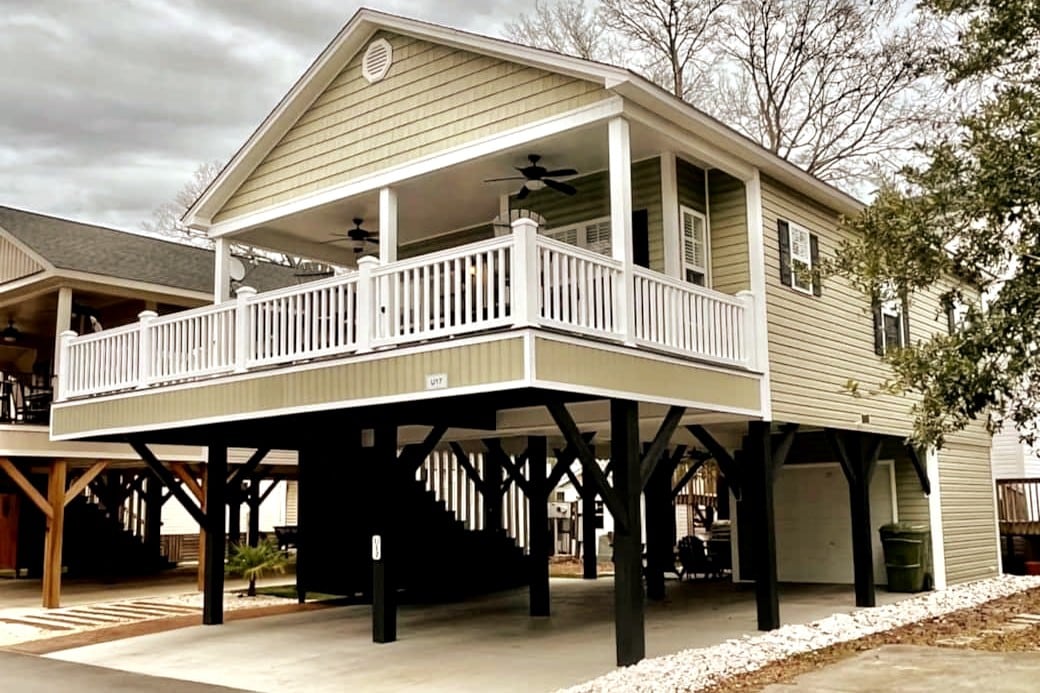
[376, 61]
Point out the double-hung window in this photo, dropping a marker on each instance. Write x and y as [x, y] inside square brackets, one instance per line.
[799, 258]
[695, 246]
[890, 323]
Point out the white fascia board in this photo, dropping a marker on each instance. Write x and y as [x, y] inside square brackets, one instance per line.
[130, 285]
[587, 115]
[744, 149]
[351, 39]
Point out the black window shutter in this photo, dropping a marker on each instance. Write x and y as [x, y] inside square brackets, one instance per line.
[879, 329]
[904, 321]
[785, 251]
[951, 317]
[814, 250]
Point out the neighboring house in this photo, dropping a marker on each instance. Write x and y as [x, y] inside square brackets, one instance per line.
[648, 278]
[1014, 459]
[57, 274]
[1016, 472]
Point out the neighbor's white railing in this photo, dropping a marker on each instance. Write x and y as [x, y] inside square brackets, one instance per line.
[520, 280]
[690, 319]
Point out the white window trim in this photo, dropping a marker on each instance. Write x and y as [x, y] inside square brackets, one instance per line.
[793, 228]
[706, 270]
[892, 307]
[579, 228]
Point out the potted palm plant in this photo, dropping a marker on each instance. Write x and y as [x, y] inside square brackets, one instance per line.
[253, 562]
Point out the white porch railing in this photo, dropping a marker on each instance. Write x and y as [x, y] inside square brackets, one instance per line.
[517, 280]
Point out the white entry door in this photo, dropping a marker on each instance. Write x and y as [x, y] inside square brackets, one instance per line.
[813, 525]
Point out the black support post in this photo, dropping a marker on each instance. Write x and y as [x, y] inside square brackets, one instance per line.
[722, 497]
[659, 515]
[588, 533]
[758, 490]
[216, 482]
[253, 501]
[492, 493]
[234, 527]
[628, 562]
[153, 499]
[384, 594]
[858, 454]
[538, 519]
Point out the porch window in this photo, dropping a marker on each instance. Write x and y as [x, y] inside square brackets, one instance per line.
[592, 235]
[695, 246]
[799, 258]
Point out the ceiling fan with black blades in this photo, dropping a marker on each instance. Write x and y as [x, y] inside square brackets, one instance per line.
[358, 235]
[536, 177]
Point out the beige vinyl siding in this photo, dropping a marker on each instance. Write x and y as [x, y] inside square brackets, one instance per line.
[910, 498]
[818, 344]
[1008, 455]
[968, 512]
[690, 182]
[14, 262]
[592, 201]
[447, 240]
[433, 98]
[727, 219]
[292, 500]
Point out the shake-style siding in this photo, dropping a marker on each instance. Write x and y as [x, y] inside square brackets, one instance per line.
[433, 98]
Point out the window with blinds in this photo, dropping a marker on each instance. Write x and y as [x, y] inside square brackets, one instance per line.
[592, 235]
[695, 246]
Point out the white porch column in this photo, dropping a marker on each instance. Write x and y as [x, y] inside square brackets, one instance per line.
[757, 280]
[672, 233]
[222, 271]
[63, 323]
[620, 163]
[935, 520]
[387, 225]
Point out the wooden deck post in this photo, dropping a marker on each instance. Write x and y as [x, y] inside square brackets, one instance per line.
[588, 533]
[55, 530]
[215, 545]
[234, 503]
[628, 561]
[153, 494]
[492, 494]
[538, 525]
[384, 561]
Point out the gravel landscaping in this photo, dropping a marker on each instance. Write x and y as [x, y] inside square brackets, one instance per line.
[949, 617]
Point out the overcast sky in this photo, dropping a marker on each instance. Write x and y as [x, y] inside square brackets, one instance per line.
[106, 108]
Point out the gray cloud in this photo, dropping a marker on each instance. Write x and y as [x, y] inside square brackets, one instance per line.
[107, 108]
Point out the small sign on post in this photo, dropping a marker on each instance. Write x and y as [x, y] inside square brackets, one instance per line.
[377, 547]
[436, 381]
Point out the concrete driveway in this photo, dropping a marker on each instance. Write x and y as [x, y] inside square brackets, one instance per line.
[482, 644]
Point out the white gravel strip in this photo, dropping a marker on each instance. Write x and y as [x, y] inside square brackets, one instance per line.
[693, 670]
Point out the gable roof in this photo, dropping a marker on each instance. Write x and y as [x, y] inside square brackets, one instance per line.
[366, 22]
[73, 246]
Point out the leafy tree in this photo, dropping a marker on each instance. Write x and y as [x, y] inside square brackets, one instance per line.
[972, 211]
[253, 562]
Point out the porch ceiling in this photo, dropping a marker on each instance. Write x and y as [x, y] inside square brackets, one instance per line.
[452, 198]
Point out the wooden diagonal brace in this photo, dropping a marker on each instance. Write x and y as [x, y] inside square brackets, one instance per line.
[593, 475]
[726, 463]
[694, 468]
[921, 469]
[564, 459]
[413, 455]
[27, 488]
[463, 461]
[494, 448]
[184, 474]
[263, 496]
[838, 443]
[241, 472]
[169, 482]
[80, 485]
[783, 448]
[574, 481]
[657, 448]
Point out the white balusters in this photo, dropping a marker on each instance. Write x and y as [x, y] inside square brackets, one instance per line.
[578, 288]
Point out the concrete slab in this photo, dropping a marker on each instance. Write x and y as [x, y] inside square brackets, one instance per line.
[26, 673]
[912, 669]
[484, 644]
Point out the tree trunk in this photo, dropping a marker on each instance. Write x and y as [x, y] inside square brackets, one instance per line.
[251, 591]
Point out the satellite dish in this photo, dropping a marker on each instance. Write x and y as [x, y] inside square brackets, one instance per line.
[236, 270]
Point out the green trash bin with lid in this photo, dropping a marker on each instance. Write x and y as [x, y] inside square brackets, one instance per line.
[907, 557]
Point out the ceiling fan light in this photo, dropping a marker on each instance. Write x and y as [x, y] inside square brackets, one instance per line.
[9, 333]
[535, 184]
